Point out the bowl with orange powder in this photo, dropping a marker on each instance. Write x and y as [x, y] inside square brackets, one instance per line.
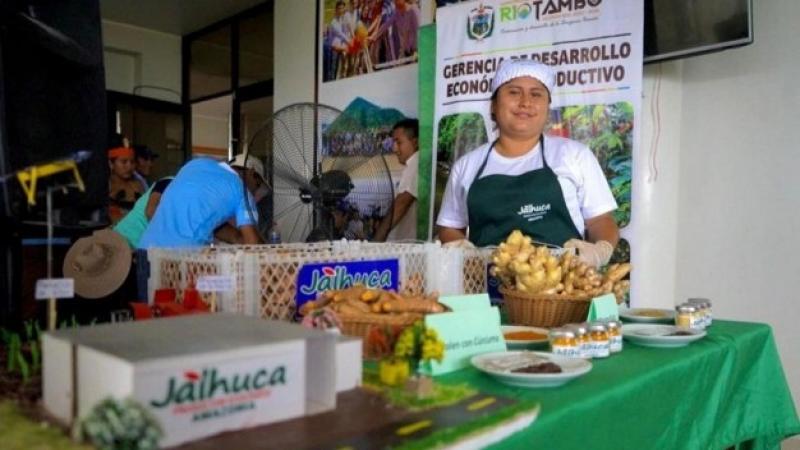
[520, 337]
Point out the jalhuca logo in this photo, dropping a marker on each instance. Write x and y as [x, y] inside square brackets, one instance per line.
[208, 394]
[480, 22]
[338, 277]
[532, 213]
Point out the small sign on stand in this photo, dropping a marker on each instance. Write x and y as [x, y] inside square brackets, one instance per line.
[603, 308]
[472, 328]
[214, 284]
[54, 288]
[51, 289]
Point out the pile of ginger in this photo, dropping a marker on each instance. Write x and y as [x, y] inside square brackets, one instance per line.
[526, 267]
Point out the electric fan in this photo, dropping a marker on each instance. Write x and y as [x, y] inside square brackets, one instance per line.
[323, 170]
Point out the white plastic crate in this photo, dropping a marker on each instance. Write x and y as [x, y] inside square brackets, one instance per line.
[265, 276]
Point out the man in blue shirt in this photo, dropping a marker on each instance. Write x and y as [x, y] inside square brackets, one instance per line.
[202, 198]
[201, 201]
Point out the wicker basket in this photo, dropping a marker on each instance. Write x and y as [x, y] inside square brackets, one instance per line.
[544, 310]
[359, 326]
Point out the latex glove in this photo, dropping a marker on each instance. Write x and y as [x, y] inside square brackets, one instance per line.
[459, 243]
[595, 254]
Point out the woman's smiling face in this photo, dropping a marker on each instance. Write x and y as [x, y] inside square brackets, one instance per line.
[521, 107]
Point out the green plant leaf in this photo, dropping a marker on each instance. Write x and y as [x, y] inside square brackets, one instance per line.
[36, 356]
[24, 367]
[14, 348]
[28, 330]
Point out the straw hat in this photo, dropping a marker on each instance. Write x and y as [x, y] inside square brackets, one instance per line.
[98, 263]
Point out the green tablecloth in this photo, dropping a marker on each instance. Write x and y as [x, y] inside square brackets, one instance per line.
[726, 389]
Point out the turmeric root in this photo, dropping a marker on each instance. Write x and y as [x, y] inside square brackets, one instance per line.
[420, 305]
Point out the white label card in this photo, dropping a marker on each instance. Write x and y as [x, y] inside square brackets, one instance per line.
[215, 283]
[47, 288]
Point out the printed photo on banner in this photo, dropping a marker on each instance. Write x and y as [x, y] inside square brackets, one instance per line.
[359, 144]
[364, 36]
[363, 128]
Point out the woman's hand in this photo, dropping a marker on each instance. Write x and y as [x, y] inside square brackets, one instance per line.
[595, 254]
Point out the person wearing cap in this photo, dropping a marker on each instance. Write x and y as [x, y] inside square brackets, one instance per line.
[402, 222]
[144, 164]
[123, 188]
[202, 198]
[551, 188]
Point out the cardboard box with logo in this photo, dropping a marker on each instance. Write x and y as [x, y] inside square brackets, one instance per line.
[199, 375]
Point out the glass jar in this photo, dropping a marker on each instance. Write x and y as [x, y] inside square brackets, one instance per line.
[614, 336]
[687, 317]
[582, 335]
[563, 342]
[705, 306]
[601, 345]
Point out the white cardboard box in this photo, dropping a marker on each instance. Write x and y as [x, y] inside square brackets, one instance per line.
[348, 363]
[199, 375]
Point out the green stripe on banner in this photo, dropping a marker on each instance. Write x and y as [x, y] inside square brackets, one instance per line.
[427, 98]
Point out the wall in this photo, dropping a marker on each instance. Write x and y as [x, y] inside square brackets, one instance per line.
[655, 181]
[738, 213]
[136, 56]
[295, 34]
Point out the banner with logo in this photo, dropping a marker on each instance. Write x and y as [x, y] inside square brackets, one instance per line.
[314, 279]
[595, 48]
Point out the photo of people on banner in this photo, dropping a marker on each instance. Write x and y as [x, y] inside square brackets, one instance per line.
[363, 129]
[364, 36]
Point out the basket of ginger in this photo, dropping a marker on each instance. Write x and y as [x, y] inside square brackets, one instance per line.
[544, 290]
[359, 308]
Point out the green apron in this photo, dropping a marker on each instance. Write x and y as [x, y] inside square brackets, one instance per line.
[532, 202]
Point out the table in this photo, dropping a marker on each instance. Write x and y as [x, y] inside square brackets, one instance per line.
[724, 390]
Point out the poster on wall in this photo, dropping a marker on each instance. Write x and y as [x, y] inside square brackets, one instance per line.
[365, 36]
[595, 50]
[368, 71]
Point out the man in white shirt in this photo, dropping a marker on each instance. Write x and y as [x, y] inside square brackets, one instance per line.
[402, 222]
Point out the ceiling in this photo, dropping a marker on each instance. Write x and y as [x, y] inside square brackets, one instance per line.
[179, 17]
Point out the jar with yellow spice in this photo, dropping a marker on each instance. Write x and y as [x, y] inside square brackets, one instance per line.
[704, 307]
[688, 317]
[563, 342]
[614, 336]
[582, 335]
[601, 345]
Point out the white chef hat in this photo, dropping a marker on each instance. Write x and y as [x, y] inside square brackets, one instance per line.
[515, 68]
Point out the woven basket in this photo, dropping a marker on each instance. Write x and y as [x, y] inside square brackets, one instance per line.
[544, 310]
[359, 326]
